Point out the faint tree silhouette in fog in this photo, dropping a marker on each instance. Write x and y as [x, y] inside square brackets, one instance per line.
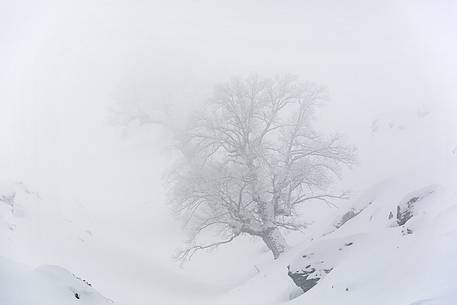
[249, 159]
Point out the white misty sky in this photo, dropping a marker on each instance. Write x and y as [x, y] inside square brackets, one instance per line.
[63, 63]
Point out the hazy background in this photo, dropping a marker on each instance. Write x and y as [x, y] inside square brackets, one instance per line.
[390, 67]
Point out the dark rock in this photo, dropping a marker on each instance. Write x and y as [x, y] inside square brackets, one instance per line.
[82, 280]
[306, 279]
[328, 270]
[349, 215]
[346, 217]
[307, 270]
[407, 208]
[301, 279]
[8, 200]
[405, 212]
[406, 232]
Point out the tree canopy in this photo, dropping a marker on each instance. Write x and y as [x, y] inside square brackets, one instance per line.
[250, 158]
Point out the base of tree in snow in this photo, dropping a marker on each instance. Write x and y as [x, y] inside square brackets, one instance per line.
[372, 258]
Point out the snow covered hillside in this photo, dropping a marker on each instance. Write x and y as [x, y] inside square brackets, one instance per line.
[45, 285]
[395, 245]
[30, 228]
[110, 251]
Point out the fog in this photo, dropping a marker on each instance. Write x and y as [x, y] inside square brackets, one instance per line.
[389, 66]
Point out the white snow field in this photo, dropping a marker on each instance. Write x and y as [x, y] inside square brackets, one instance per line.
[371, 259]
[26, 223]
[399, 248]
[45, 285]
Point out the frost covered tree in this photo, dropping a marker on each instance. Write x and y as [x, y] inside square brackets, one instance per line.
[249, 159]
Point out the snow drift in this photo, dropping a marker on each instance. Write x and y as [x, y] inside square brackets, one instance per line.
[45, 285]
[394, 245]
[398, 247]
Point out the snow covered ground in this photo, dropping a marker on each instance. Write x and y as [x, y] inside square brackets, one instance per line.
[45, 285]
[398, 248]
[371, 259]
[91, 201]
[110, 251]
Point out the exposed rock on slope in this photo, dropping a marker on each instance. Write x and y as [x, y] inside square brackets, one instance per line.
[364, 260]
[407, 208]
[307, 270]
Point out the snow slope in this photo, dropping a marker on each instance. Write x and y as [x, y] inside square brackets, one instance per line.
[45, 285]
[377, 257]
[117, 253]
[35, 230]
[396, 244]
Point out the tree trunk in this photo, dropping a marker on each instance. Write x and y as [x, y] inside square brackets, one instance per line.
[275, 241]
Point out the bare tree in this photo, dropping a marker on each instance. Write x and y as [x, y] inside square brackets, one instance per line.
[249, 159]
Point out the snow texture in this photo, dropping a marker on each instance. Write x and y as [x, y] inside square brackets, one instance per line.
[45, 285]
[374, 257]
